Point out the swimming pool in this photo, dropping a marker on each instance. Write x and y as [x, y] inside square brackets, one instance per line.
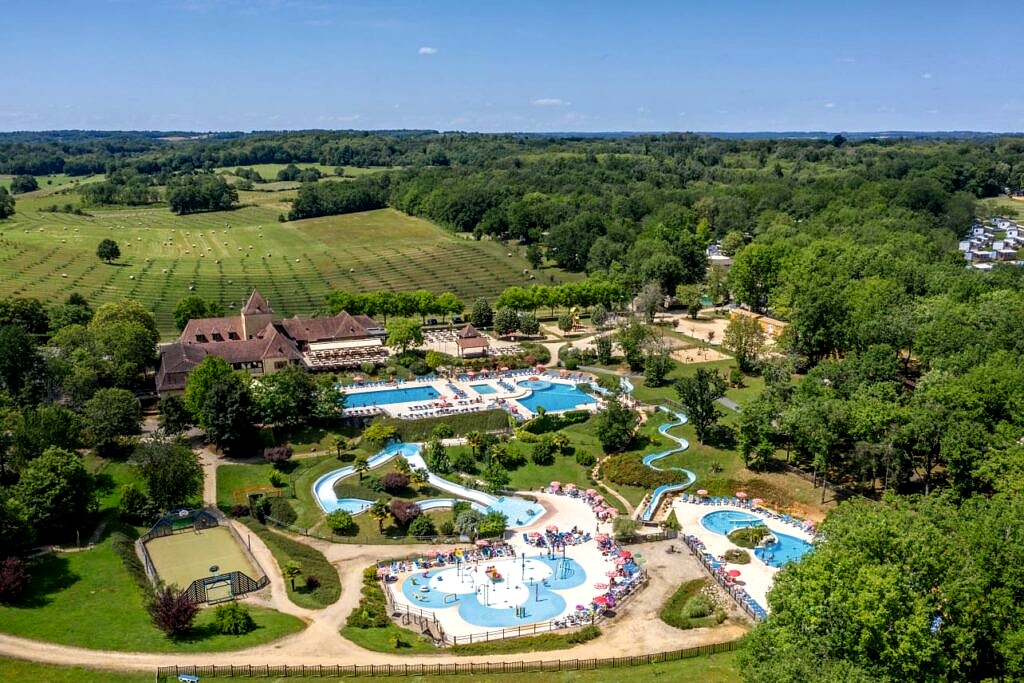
[518, 511]
[552, 396]
[381, 397]
[483, 389]
[785, 549]
[531, 584]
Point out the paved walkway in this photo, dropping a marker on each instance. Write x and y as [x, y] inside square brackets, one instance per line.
[636, 628]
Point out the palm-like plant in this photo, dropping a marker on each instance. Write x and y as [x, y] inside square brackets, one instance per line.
[292, 569]
[361, 466]
[380, 512]
[402, 465]
[420, 476]
[474, 440]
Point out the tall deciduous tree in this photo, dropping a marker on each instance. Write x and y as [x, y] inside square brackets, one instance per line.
[108, 250]
[56, 492]
[110, 415]
[6, 204]
[285, 397]
[404, 333]
[614, 426]
[699, 394]
[745, 338]
[171, 470]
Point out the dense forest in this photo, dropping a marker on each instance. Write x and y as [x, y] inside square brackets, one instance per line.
[900, 375]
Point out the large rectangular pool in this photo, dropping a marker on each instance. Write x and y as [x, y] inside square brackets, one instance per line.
[483, 389]
[382, 397]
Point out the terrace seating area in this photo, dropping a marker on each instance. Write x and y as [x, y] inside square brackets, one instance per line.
[439, 409]
[328, 359]
[754, 506]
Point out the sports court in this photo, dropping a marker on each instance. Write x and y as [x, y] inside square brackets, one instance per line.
[183, 557]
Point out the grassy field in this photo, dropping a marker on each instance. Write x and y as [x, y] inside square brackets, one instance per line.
[89, 600]
[720, 668]
[312, 562]
[48, 183]
[224, 255]
[182, 558]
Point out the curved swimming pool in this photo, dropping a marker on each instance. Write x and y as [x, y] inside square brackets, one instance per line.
[785, 549]
[552, 396]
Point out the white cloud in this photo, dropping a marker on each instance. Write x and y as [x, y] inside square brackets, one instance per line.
[830, 105]
[926, 75]
[428, 51]
[550, 102]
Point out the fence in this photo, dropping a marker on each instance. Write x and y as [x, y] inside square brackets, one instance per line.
[731, 590]
[239, 582]
[168, 674]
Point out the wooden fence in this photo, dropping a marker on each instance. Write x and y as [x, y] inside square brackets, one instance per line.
[169, 674]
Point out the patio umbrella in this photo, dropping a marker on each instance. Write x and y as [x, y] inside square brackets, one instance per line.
[483, 542]
[601, 537]
[504, 368]
[556, 484]
[553, 529]
[591, 492]
[741, 494]
[620, 561]
[601, 600]
[580, 608]
[702, 492]
[733, 573]
[758, 501]
[601, 586]
[611, 573]
[534, 534]
[625, 553]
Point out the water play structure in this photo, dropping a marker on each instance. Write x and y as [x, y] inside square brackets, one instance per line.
[519, 511]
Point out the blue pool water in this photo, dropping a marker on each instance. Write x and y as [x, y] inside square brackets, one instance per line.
[786, 548]
[483, 389]
[553, 396]
[518, 511]
[528, 583]
[385, 396]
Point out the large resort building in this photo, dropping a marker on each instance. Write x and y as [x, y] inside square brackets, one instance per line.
[253, 342]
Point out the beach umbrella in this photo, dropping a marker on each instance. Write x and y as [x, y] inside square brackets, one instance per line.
[570, 485]
[619, 561]
[625, 553]
[702, 492]
[611, 573]
[534, 534]
[540, 367]
[483, 542]
[741, 494]
[601, 586]
[757, 501]
[357, 379]
[601, 537]
[591, 492]
[733, 573]
[563, 372]
[601, 600]
[599, 497]
[580, 608]
[553, 529]
[556, 484]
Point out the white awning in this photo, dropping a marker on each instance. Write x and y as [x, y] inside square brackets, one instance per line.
[352, 344]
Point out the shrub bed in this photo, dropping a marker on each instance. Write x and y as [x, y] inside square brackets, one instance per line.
[693, 605]
[628, 469]
[328, 586]
[750, 536]
[420, 430]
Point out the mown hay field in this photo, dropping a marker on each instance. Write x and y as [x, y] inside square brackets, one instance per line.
[224, 255]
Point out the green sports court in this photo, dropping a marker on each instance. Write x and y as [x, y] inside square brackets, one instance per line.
[186, 556]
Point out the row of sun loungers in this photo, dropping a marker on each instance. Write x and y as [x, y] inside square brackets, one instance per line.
[367, 410]
[717, 570]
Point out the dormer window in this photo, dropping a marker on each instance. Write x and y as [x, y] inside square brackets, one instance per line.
[233, 336]
[201, 338]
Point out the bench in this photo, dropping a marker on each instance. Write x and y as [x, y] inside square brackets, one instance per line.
[188, 678]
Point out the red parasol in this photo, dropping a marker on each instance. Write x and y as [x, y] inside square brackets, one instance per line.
[733, 573]
[601, 537]
[625, 553]
[601, 600]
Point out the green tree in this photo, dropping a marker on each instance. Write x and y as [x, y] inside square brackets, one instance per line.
[124, 335]
[745, 339]
[603, 349]
[534, 256]
[341, 523]
[422, 527]
[493, 524]
[108, 250]
[732, 243]
[201, 380]
[6, 204]
[228, 414]
[379, 433]
[285, 397]
[506, 321]
[699, 394]
[174, 418]
[528, 324]
[754, 274]
[380, 513]
[658, 364]
[692, 297]
[110, 415]
[467, 522]
[649, 301]
[599, 316]
[293, 570]
[23, 183]
[22, 369]
[496, 477]
[57, 494]
[481, 315]
[614, 426]
[633, 336]
[31, 431]
[171, 471]
[194, 307]
[404, 333]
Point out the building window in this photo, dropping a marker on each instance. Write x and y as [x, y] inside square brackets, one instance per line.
[280, 364]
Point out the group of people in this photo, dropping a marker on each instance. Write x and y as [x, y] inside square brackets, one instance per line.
[555, 539]
[445, 558]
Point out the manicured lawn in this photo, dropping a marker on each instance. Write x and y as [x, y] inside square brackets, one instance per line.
[312, 562]
[383, 640]
[719, 668]
[300, 474]
[111, 476]
[87, 599]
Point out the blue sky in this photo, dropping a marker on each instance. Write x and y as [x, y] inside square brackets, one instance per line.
[518, 65]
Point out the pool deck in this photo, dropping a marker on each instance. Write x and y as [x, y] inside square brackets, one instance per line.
[757, 577]
[450, 404]
[564, 513]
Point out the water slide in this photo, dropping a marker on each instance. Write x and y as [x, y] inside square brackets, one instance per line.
[649, 460]
[514, 508]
